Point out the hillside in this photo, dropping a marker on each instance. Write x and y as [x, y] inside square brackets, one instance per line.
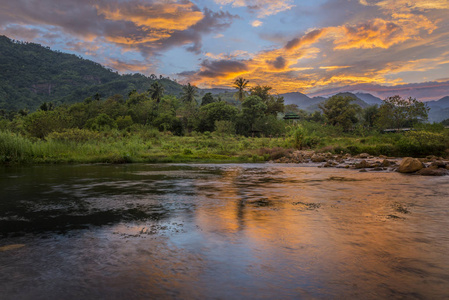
[32, 74]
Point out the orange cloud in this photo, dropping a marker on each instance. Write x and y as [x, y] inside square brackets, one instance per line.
[128, 67]
[380, 33]
[166, 16]
[309, 38]
[407, 5]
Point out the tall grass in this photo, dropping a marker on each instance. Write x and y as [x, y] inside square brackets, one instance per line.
[14, 147]
[147, 145]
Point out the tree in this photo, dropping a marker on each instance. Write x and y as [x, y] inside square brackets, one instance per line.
[102, 122]
[47, 106]
[207, 99]
[274, 104]
[156, 91]
[253, 108]
[216, 111]
[370, 115]
[339, 111]
[240, 84]
[188, 93]
[397, 112]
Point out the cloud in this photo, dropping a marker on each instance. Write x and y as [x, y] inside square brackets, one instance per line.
[407, 5]
[256, 23]
[23, 32]
[307, 39]
[278, 63]
[383, 33]
[128, 67]
[222, 68]
[149, 26]
[166, 16]
[262, 8]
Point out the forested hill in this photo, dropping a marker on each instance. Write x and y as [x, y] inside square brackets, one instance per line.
[31, 74]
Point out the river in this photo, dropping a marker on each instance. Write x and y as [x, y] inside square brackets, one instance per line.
[227, 231]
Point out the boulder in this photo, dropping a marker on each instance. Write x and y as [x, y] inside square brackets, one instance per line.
[363, 155]
[386, 163]
[363, 164]
[438, 164]
[317, 158]
[432, 172]
[410, 165]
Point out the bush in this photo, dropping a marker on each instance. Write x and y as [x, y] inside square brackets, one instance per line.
[102, 122]
[124, 122]
[224, 127]
[423, 143]
[14, 147]
[74, 135]
[274, 153]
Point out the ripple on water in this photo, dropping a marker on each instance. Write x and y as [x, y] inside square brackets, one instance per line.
[222, 231]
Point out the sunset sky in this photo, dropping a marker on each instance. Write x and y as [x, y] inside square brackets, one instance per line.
[316, 47]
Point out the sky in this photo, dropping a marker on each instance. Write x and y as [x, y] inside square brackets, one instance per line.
[317, 47]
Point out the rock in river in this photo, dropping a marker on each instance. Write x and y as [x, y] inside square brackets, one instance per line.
[410, 165]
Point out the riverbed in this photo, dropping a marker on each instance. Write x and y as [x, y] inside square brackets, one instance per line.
[221, 231]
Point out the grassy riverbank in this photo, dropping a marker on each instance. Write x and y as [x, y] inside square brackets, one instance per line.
[150, 145]
[144, 146]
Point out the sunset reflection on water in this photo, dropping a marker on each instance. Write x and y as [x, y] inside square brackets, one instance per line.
[226, 231]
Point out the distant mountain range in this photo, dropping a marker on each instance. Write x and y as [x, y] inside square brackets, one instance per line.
[439, 109]
[31, 74]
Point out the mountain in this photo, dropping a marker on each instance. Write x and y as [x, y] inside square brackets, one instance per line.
[218, 91]
[357, 100]
[32, 74]
[441, 103]
[369, 99]
[301, 100]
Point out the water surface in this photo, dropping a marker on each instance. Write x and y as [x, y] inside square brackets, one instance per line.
[221, 231]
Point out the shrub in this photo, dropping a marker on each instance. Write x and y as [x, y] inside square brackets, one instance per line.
[14, 147]
[124, 122]
[274, 153]
[74, 135]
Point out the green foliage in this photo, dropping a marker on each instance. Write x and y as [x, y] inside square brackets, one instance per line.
[253, 108]
[275, 104]
[270, 126]
[207, 99]
[40, 123]
[168, 122]
[156, 91]
[124, 122]
[74, 135]
[421, 143]
[101, 123]
[32, 74]
[188, 93]
[370, 116]
[224, 127]
[397, 112]
[14, 147]
[339, 111]
[298, 137]
[240, 84]
[217, 111]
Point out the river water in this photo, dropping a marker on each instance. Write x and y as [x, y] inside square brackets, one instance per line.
[231, 231]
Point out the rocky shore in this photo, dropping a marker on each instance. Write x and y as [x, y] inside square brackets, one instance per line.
[364, 162]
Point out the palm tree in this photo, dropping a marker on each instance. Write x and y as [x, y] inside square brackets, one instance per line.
[188, 93]
[240, 84]
[156, 91]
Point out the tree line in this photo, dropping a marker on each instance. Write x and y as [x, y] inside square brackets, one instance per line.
[258, 112]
